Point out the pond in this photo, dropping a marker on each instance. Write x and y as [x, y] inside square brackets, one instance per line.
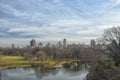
[69, 72]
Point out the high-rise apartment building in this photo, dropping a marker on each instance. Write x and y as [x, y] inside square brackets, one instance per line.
[40, 45]
[33, 43]
[93, 43]
[13, 46]
[64, 43]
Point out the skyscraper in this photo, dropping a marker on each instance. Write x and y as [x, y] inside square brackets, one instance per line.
[40, 45]
[33, 43]
[93, 43]
[64, 43]
[48, 45]
[13, 46]
[59, 44]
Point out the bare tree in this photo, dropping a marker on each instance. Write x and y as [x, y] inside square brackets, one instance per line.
[67, 53]
[27, 55]
[111, 37]
[41, 55]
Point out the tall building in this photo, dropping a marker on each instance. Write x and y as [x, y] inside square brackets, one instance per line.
[64, 43]
[40, 45]
[59, 44]
[33, 43]
[48, 45]
[13, 46]
[93, 43]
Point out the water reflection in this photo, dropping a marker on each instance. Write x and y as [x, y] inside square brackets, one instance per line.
[73, 71]
[41, 72]
[0, 75]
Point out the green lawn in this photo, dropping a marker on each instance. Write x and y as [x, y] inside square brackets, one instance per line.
[19, 61]
[11, 58]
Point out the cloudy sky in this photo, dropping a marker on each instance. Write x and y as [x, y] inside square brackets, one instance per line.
[53, 20]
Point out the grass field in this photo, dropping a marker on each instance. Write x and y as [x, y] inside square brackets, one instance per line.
[19, 61]
[11, 58]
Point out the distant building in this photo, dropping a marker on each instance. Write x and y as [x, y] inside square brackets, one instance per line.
[93, 43]
[40, 45]
[59, 44]
[13, 46]
[48, 45]
[64, 43]
[33, 43]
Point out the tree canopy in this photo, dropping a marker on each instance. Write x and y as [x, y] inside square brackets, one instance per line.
[111, 37]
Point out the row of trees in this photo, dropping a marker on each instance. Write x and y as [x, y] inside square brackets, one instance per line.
[51, 52]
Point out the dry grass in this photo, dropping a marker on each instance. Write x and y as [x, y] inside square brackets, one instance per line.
[11, 58]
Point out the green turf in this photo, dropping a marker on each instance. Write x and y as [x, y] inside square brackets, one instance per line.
[18, 61]
[11, 58]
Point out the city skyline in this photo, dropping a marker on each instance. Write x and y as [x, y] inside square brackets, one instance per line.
[78, 21]
[37, 43]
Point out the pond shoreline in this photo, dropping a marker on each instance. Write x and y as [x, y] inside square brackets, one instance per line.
[10, 67]
[49, 64]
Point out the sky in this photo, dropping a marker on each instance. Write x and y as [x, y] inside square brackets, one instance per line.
[78, 21]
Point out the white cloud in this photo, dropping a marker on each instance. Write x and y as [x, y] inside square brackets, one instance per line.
[24, 29]
[88, 32]
[70, 22]
[116, 3]
[103, 27]
[57, 1]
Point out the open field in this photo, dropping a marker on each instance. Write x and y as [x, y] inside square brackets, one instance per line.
[18, 61]
[11, 58]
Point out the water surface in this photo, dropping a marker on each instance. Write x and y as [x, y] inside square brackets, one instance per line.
[39, 73]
